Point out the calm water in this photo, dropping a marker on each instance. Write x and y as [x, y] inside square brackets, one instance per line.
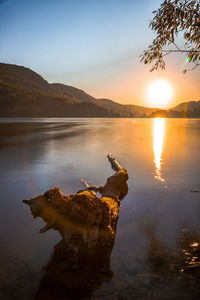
[159, 218]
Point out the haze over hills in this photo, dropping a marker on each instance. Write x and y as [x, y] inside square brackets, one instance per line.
[189, 109]
[24, 93]
[191, 106]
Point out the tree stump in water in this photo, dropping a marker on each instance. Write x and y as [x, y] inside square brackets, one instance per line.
[87, 224]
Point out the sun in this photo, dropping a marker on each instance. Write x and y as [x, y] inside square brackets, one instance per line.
[159, 93]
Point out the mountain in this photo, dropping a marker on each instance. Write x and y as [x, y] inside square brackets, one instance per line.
[24, 93]
[189, 106]
[78, 95]
[190, 109]
[110, 105]
[126, 109]
[21, 77]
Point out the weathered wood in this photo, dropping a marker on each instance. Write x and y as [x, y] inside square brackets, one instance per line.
[87, 224]
[84, 207]
[114, 163]
[116, 185]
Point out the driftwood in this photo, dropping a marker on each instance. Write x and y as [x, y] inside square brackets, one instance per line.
[87, 223]
[116, 186]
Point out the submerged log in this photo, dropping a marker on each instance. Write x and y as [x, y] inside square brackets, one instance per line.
[87, 224]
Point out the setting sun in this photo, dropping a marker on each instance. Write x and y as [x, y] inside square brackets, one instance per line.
[159, 93]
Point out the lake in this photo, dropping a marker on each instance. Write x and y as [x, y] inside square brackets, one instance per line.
[158, 230]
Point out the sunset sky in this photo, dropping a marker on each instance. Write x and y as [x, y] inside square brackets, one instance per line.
[92, 45]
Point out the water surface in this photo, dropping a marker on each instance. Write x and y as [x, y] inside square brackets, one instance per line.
[158, 217]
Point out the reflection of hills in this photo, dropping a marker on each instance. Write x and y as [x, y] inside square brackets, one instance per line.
[34, 132]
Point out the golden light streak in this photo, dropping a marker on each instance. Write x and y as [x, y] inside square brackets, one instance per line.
[158, 141]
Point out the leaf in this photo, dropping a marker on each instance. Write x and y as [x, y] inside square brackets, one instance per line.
[172, 18]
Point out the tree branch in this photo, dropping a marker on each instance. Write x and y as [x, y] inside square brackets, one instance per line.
[172, 18]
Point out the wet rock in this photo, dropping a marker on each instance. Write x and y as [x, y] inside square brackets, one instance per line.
[192, 270]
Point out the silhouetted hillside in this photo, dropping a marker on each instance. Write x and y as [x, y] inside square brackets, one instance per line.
[24, 93]
[127, 110]
[189, 109]
[70, 91]
[21, 77]
[191, 106]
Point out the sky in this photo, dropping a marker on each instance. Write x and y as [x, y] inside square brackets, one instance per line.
[93, 45]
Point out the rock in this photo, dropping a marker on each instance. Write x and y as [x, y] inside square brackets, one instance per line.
[192, 270]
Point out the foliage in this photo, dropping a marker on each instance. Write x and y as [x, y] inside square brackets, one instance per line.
[174, 18]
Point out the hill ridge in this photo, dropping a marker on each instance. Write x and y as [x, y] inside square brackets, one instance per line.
[25, 93]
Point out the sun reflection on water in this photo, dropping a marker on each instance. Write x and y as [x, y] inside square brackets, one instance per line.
[158, 141]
